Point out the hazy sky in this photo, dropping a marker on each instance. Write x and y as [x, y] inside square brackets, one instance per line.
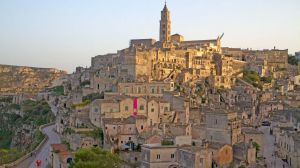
[67, 33]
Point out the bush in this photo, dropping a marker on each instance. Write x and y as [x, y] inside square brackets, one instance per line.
[14, 106]
[93, 96]
[292, 60]
[252, 76]
[256, 146]
[9, 155]
[167, 142]
[6, 99]
[95, 158]
[84, 83]
[58, 90]
[5, 139]
[82, 104]
[266, 79]
[97, 134]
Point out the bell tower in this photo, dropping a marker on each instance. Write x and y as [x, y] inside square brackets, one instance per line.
[165, 25]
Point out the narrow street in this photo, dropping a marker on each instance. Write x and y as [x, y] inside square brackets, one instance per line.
[272, 161]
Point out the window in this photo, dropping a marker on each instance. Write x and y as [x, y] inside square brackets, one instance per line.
[166, 109]
[172, 156]
[142, 127]
[152, 110]
[126, 108]
[121, 142]
[129, 138]
[111, 110]
[158, 156]
[114, 127]
[216, 121]
[139, 90]
[152, 90]
[142, 107]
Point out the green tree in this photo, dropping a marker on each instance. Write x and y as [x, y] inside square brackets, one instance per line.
[256, 146]
[95, 158]
[292, 60]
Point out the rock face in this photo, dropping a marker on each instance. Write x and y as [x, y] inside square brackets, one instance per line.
[16, 79]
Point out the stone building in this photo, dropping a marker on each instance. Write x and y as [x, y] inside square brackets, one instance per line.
[254, 135]
[222, 126]
[244, 154]
[194, 157]
[222, 154]
[151, 60]
[157, 156]
[288, 147]
[155, 89]
[155, 110]
[264, 62]
[120, 133]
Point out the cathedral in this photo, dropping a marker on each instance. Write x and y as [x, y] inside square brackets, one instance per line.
[170, 58]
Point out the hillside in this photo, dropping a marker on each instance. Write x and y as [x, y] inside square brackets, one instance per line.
[15, 79]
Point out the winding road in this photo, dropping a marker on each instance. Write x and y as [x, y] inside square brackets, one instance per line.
[43, 153]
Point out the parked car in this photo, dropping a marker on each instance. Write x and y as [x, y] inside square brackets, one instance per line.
[266, 123]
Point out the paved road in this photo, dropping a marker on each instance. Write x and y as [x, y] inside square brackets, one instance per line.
[43, 154]
[269, 148]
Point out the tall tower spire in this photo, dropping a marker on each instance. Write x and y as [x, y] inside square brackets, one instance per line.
[165, 25]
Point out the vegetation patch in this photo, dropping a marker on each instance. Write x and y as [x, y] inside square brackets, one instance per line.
[95, 158]
[36, 113]
[93, 96]
[9, 155]
[254, 79]
[5, 139]
[84, 83]
[167, 142]
[82, 104]
[58, 90]
[292, 60]
[6, 99]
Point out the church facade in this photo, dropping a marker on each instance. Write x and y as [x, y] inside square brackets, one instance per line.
[170, 58]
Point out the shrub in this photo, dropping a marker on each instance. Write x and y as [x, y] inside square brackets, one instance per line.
[84, 83]
[93, 96]
[58, 90]
[167, 142]
[95, 158]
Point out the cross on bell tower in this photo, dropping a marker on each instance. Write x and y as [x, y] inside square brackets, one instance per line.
[165, 25]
